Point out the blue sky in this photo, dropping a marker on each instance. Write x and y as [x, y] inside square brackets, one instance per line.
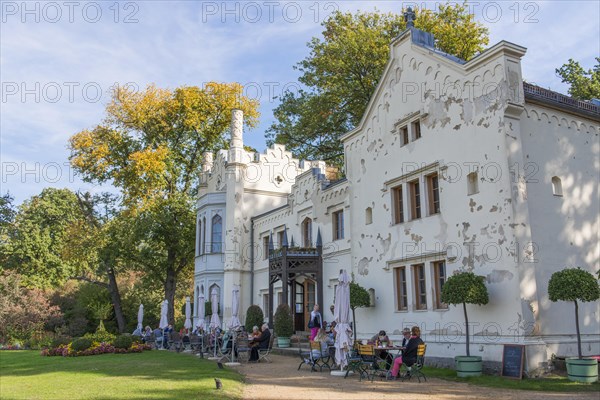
[59, 60]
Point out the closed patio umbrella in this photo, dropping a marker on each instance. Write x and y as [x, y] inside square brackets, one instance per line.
[343, 339]
[164, 322]
[201, 311]
[140, 324]
[215, 321]
[235, 305]
[188, 314]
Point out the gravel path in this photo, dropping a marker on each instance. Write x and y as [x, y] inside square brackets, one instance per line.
[281, 380]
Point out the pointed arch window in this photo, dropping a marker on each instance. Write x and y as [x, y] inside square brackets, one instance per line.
[217, 234]
[203, 248]
[307, 232]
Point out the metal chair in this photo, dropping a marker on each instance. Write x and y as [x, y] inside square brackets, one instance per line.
[416, 368]
[263, 354]
[355, 361]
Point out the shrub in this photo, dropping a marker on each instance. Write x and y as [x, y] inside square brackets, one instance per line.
[81, 344]
[101, 335]
[40, 340]
[123, 341]
[254, 317]
[283, 323]
[60, 341]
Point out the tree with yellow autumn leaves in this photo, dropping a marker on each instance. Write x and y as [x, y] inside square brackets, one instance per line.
[150, 146]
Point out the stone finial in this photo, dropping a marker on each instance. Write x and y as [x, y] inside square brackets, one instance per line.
[292, 244]
[285, 239]
[237, 128]
[271, 247]
[319, 239]
[409, 17]
[208, 160]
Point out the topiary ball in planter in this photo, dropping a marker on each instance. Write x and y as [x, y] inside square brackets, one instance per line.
[283, 324]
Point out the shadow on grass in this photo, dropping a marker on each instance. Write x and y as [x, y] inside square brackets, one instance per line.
[147, 375]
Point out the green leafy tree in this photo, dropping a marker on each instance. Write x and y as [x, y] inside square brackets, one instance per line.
[465, 288]
[585, 85]
[150, 146]
[36, 238]
[359, 297]
[344, 67]
[574, 284]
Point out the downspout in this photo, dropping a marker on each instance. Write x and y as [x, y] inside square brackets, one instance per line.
[252, 261]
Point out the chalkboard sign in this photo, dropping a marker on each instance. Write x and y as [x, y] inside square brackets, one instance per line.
[512, 361]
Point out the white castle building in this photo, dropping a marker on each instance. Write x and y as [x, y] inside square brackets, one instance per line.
[454, 166]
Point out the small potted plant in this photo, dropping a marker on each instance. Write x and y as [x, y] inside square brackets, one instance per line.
[576, 284]
[466, 288]
[283, 325]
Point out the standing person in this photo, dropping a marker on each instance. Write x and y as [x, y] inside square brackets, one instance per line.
[316, 322]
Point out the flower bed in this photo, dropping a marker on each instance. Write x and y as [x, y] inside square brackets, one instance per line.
[95, 349]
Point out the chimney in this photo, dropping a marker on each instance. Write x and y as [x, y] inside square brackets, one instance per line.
[237, 129]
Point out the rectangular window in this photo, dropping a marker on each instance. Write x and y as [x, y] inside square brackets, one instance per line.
[416, 128]
[279, 298]
[280, 239]
[265, 247]
[266, 304]
[401, 294]
[434, 193]
[439, 272]
[415, 199]
[397, 198]
[420, 290]
[404, 136]
[338, 225]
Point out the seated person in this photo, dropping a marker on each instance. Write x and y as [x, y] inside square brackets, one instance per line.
[263, 342]
[166, 335]
[255, 333]
[158, 336]
[332, 332]
[198, 331]
[409, 355]
[137, 332]
[378, 339]
[406, 337]
[322, 339]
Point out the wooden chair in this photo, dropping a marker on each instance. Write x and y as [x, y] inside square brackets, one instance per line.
[316, 357]
[372, 364]
[304, 355]
[416, 368]
[263, 354]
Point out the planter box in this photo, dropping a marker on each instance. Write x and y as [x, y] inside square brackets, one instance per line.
[467, 366]
[582, 369]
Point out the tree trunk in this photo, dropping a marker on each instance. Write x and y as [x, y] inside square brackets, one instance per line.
[170, 284]
[116, 299]
[354, 322]
[577, 327]
[467, 328]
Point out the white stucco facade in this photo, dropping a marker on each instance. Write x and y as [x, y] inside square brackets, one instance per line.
[454, 166]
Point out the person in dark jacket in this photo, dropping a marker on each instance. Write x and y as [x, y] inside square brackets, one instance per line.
[406, 337]
[409, 355]
[263, 342]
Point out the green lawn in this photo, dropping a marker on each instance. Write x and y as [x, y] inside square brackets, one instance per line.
[157, 375]
[551, 384]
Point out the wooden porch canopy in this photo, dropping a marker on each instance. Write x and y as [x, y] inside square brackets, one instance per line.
[289, 262]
